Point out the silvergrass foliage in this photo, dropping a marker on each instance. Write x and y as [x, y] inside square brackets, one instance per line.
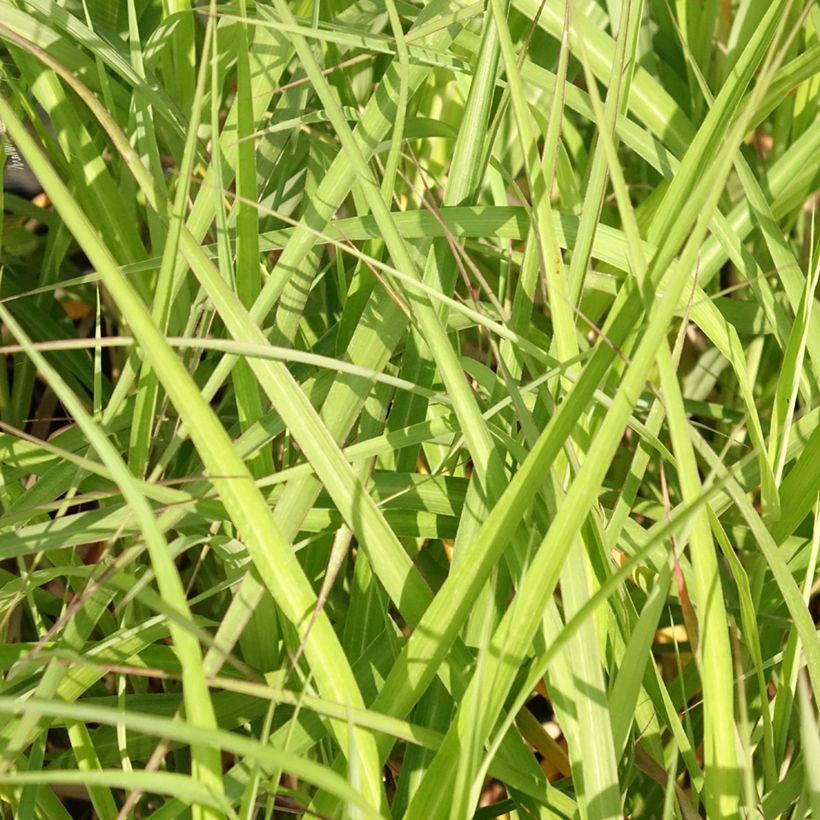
[409, 409]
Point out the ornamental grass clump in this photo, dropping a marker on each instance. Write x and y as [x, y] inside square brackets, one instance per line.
[409, 410]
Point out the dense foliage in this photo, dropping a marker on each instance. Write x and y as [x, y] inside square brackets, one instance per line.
[410, 408]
